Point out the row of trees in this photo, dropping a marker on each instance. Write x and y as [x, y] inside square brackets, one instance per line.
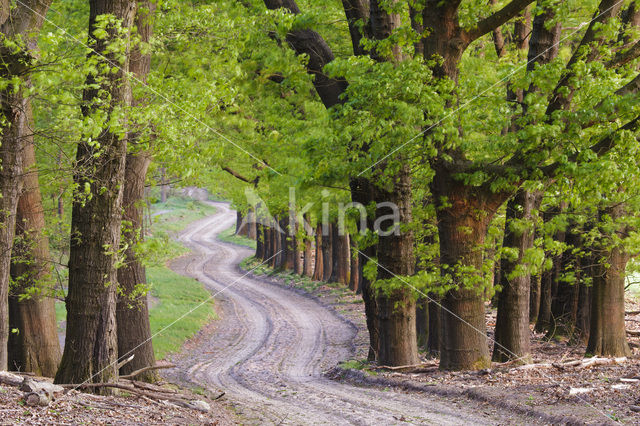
[529, 197]
[503, 134]
[106, 311]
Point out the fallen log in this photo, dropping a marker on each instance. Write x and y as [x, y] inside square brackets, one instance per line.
[633, 333]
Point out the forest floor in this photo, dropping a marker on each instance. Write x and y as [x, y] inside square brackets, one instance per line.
[561, 393]
[126, 409]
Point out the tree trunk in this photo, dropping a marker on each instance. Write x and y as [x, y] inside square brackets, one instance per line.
[11, 148]
[252, 230]
[241, 228]
[584, 312]
[354, 267]
[35, 348]
[132, 311]
[422, 322]
[435, 320]
[363, 192]
[564, 304]
[90, 352]
[396, 307]
[607, 336]
[319, 267]
[298, 246]
[549, 280]
[289, 252]
[259, 241]
[512, 334]
[276, 240]
[534, 298]
[308, 256]
[463, 216]
[327, 254]
[340, 254]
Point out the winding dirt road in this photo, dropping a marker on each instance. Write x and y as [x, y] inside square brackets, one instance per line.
[271, 345]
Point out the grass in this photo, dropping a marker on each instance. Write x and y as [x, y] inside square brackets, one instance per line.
[176, 295]
[229, 236]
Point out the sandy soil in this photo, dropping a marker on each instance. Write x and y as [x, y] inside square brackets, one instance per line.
[273, 345]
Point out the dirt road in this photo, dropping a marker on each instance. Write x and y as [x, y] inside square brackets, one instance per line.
[270, 347]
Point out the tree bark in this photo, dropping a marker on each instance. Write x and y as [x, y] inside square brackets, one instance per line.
[289, 254]
[260, 253]
[396, 307]
[363, 192]
[534, 298]
[308, 252]
[35, 348]
[434, 341]
[607, 336]
[564, 304]
[132, 311]
[512, 335]
[354, 267]
[422, 322]
[319, 266]
[462, 231]
[90, 352]
[340, 253]
[549, 279]
[327, 253]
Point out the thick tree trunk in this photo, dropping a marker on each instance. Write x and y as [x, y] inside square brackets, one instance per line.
[319, 267]
[607, 336]
[35, 348]
[90, 352]
[396, 308]
[19, 23]
[363, 192]
[13, 110]
[132, 311]
[512, 334]
[463, 218]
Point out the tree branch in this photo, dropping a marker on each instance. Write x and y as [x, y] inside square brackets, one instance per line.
[499, 18]
[236, 174]
[312, 44]
[605, 145]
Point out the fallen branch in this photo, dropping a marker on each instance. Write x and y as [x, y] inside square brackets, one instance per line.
[632, 313]
[402, 367]
[145, 369]
[633, 333]
[181, 400]
[124, 362]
